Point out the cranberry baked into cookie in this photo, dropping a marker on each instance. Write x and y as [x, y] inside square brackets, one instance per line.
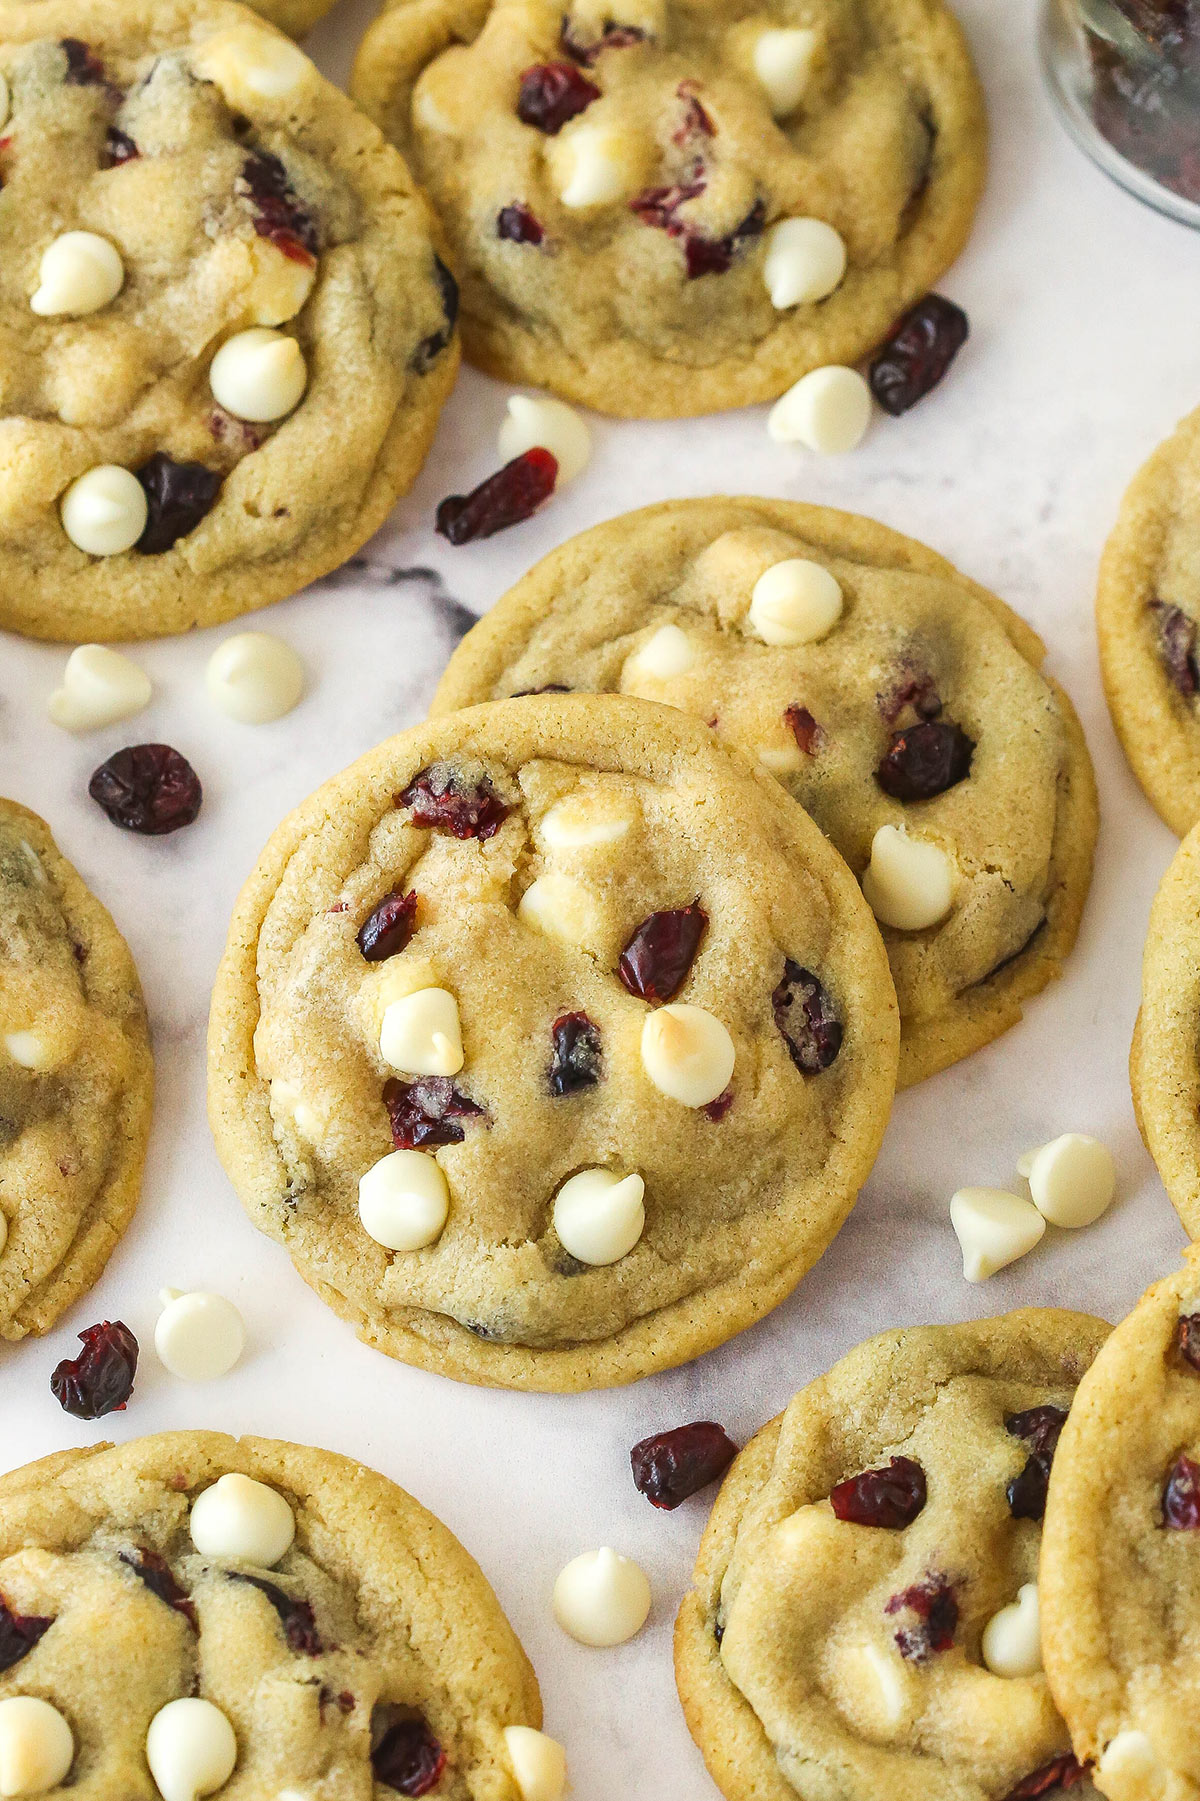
[1164, 1063]
[864, 1616]
[225, 334]
[552, 1041]
[193, 1612]
[669, 209]
[901, 704]
[75, 1080]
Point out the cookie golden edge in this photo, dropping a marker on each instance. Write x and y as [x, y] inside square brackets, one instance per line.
[1164, 1066]
[101, 1229]
[239, 1112]
[994, 1005]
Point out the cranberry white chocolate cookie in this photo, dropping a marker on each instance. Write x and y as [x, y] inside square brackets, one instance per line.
[864, 1615]
[225, 333]
[75, 1080]
[900, 703]
[552, 1042]
[191, 1613]
[1164, 1063]
[667, 209]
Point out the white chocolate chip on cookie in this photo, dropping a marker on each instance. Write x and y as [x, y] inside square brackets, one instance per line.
[539, 1763]
[191, 1749]
[104, 511]
[595, 165]
[909, 882]
[804, 262]
[37, 1746]
[666, 653]
[994, 1229]
[421, 1034]
[601, 1598]
[795, 602]
[599, 1216]
[687, 1053]
[241, 1519]
[563, 908]
[1012, 1638]
[250, 64]
[783, 58]
[404, 1201]
[80, 272]
[585, 819]
[258, 375]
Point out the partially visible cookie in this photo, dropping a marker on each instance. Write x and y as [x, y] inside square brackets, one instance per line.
[1164, 1062]
[293, 16]
[840, 1641]
[75, 1080]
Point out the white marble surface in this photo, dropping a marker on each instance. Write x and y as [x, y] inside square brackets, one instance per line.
[1084, 351]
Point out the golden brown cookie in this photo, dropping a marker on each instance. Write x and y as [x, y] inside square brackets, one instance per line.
[1164, 1063]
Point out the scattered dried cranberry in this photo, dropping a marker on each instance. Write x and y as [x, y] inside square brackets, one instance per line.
[178, 495]
[100, 1379]
[517, 225]
[442, 798]
[278, 215]
[935, 1605]
[577, 1061]
[1181, 1496]
[147, 788]
[912, 688]
[1027, 1492]
[1188, 1339]
[553, 93]
[712, 256]
[616, 37]
[918, 353]
[715, 1111]
[514, 493]
[389, 927]
[655, 963]
[427, 1112]
[119, 148]
[1039, 1429]
[926, 760]
[697, 120]
[430, 349]
[805, 1016]
[159, 1578]
[19, 1633]
[296, 1617]
[804, 729]
[405, 1756]
[1177, 646]
[1064, 1772]
[891, 1498]
[670, 1466]
[659, 207]
[84, 68]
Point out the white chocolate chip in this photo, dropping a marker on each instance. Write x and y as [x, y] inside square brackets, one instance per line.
[1072, 1179]
[198, 1336]
[241, 1519]
[100, 686]
[668, 652]
[421, 1034]
[539, 1763]
[249, 63]
[29, 1051]
[828, 410]
[795, 602]
[584, 819]
[538, 422]
[601, 1598]
[1012, 1638]
[909, 882]
[191, 1749]
[404, 1201]
[594, 165]
[80, 272]
[883, 1682]
[286, 1100]
[254, 677]
[805, 260]
[1131, 1756]
[563, 908]
[258, 375]
[994, 1228]
[599, 1216]
[37, 1746]
[783, 60]
[104, 510]
[687, 1053]
[279, 284]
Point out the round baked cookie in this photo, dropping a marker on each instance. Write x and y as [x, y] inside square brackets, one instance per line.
[597, 945]
[75, 1080]
[837, 1644]
[611, 182]
[1164, 1063]
[1121, 1560]
[341, 1630]
[194, 157]
[922, 679]
[293, 16]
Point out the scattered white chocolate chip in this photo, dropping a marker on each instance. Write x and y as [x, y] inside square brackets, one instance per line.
[29, 1051]
[251, 63]
[100, 686]
[687, 1053]
[909, 882]
[585, 819]
[783, 59]
[601, 1598]
[104, 510]
[563, 908]
[254, 677]
[1131, 1756]
[594, 165]
[258, 375]
[279, 284]
[1072, 1179]
[404, 1201]
[191, 1749]
[1012, 1638]
[883, 1683]
[80, 272]
[828, 410]
[994, 1228]
[668, 652]
[37, 1746]
[286, 1100]
[539, 1763]
[805, 260]
[535, 421]
[599, 1216]
[198, 1336]
[242, 1519]
[421, 1034]
[795, 602]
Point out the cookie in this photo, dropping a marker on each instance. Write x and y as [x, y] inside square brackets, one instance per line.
[668, 210]
[341, 1631]
[552, 1042]
[225, 333]
[293, 16]
[840, 1642]
[75, 1080]
[1164, 1063]
[879, 685]
[1121, 1561]
[1148, 617]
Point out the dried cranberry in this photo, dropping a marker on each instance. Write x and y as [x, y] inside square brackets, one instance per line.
[442, 798]
[670, 1466]
[84, 68]
[1188, 1339]
[659, 207]
[119, 148]
[926, 760]
[658, 957]
[1026, 1493]
[1177, 646]
[178, 495]
[147, 788]
[935, 1605]
[697, 120]
[19, 1633]
[891, 1497]
[715, 1111]
[615, 37]
[517, 225]
[159, 1578]
[427, 1112]
[809, 736]
[405, 1756]
[430, 349]
[1038, 1428]
[389, 927]
[1181, 1496]
[577, 1061]
[553, 93]
[278, 215]
[912, 688]
[100, 1379]
[712, 256]
[805, 1016]
[918, 353]
[546, 688]
[296, 1617]
[1064, 1772]
[514, 493]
